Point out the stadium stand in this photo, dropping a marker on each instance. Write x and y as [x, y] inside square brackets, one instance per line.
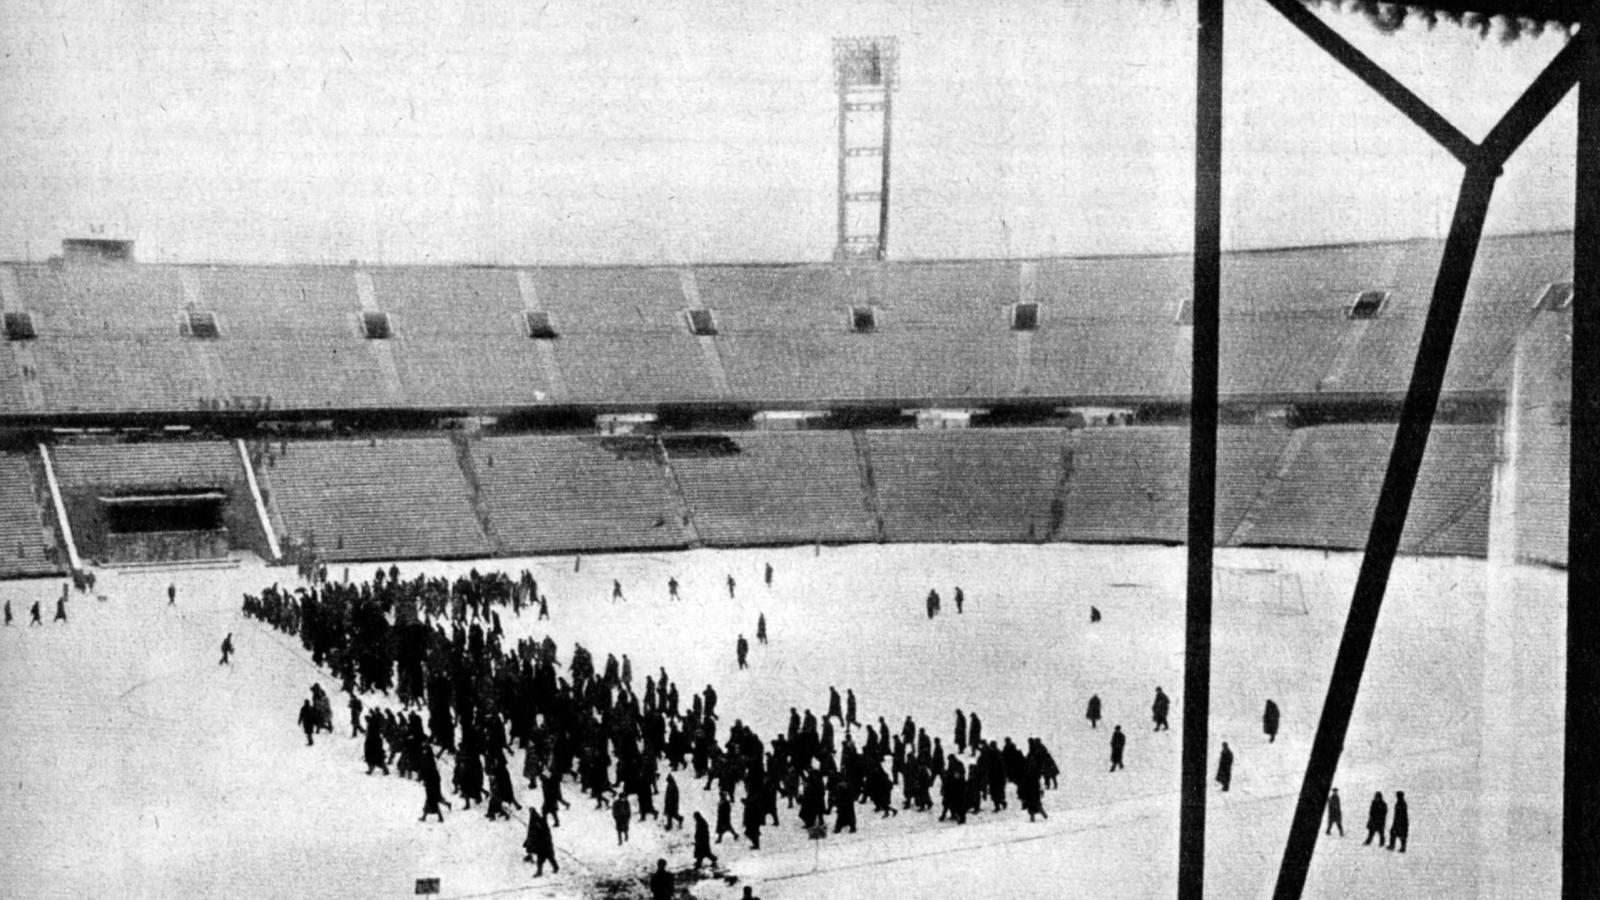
[1126, 485]
[753, 488]
[23, 550]
[555, 494]
[377, 499]
[169, 464]
[454, 325]
[969, 485]
[1328, 495]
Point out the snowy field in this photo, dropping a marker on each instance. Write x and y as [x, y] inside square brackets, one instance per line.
[134, 766]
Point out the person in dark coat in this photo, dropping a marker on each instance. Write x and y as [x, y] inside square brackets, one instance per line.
[725, 817]
[742, 648]
[960, 600]
[961, 731]
[372, 749]
[355, 715]
[672, 588]
[540, 845]
[730, 587]
[8, 613]
[616, 590]
[553, 801]
[1094, 614]
[670, 803]
[850, 707]
[433, 797]
[1225, 767]
[661, 882]
[1335, 814]
[974, 732]
[1158, 710]
[761, 629]
[61, 609]
[753, 814]
[34, 611]
[1400, 825]
[1269, 721]
[835, 708]
[769, 574]
[702, 842]
[307, 720]
[1377, 818]
[844, 807]
[227, 650]
[1118, 741]
[1093, 715]
[544, 607]
[620, 814]
[933, 603]
[172, 594]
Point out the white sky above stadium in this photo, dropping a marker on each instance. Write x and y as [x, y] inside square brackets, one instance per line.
[563, 131]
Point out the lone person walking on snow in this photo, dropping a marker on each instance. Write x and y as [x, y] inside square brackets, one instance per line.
[1269, 721]
[1335, 814]
[1093, 715]
[61, 609]
[1158, 710]
[1225, 767]
[743, 650]
[1401, 824]
[308, 720]
[1118, 741]
[227, 650]
[1377, 817]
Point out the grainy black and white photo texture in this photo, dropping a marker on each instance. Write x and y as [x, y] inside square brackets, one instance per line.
[891, 449]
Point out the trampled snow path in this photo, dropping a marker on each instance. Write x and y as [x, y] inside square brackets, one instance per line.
[133, 765]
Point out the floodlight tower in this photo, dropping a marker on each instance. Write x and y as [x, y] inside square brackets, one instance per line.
[864, 74]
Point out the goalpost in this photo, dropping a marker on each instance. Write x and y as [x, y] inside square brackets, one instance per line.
[1270, 590]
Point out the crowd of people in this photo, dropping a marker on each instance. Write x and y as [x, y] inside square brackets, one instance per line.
[439, 646]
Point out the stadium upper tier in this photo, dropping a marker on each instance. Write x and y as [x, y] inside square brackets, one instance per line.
[118, 338]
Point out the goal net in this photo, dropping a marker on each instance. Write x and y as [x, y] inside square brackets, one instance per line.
[1270, 590]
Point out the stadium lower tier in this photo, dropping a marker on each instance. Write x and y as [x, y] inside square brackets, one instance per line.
[432, 496]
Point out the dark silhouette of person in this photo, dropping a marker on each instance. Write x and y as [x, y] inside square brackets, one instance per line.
[1158, 710]
[672, 589]
[1377, 817]
[742, 648]
[372, 748]
[761, 628]
[544, 607]
[730, 587]
[61, 609]
[34, 611]
[616, 590]
[620, 814]
[1335, 813]
[769, 574]
[172, 594]
[661, 882]
[8, 613]
[702, 841]
[1093, 715]
[725, 817]
[550, 791]
[308, 720]
[961, 600]
[1269, 721]
[540, 845]
[1094, 614]
[1400, 825]
[227, 650]
[1118, 741]
[671, 802]
[355, 715]
[1225, 767]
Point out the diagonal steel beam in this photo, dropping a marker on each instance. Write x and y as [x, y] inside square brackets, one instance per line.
[1399, 96]
[1580, 831]
[1202, 451]
[1383, 541]
[1534, 105]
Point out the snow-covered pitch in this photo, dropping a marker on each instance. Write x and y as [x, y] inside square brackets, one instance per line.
[133, 765]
